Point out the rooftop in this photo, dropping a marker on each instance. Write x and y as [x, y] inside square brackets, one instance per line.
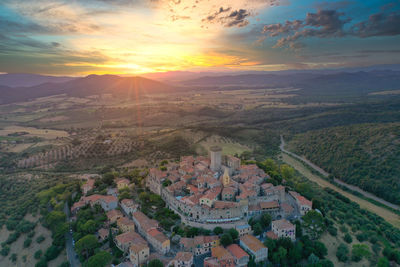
[252, 242]
[283, 224]
[236, 251]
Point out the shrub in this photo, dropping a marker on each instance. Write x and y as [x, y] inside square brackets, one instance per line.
[342, 253]
[332, 231]
[13, 257]
[40, 239]
[362, 237]
[5, 250]
[348, 238]
[38, 254]
[27, 242]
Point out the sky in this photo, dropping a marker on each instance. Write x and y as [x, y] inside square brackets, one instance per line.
[79, 37]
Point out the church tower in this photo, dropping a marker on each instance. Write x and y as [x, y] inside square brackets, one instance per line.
[226, 179]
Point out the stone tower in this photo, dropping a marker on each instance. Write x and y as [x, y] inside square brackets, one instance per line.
[226, 179]
[215, 154]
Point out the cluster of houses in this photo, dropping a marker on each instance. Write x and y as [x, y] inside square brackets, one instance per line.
[205, 192]
[136, 232]
[219, 191]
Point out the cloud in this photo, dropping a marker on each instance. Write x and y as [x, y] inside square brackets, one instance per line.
[234, 18]
[323, 24]
[331, 23]
[379, 24]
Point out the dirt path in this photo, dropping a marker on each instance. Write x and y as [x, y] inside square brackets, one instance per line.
[389, 216]
[324, 173]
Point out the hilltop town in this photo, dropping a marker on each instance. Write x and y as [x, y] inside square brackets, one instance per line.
[216, 194]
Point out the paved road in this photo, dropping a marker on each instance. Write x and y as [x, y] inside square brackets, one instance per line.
[71, 255]
[325, 174]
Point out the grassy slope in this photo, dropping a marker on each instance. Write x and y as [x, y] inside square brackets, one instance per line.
[366, 155]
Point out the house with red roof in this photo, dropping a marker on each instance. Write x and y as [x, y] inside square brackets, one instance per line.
[240, 256]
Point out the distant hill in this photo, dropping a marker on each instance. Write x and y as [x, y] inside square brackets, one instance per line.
[365, 155]
[27, 80]
[128, 87]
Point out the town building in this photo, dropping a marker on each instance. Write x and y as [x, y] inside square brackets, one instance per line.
[304, 204]
[139, 253]
[240, 256]
[199, 245]
[122, 183]
[182, 259]
[283, 228]
[126, 240]
[129, 206]
[159, 241]
[254, 246]
[223, 256]
[125, 224]
[244, 229]
[114, 215]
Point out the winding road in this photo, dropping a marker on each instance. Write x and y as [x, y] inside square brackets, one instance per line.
[298, 162]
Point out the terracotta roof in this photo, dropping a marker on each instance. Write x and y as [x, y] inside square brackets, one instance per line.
[125, 221]
[113, 213]
[130, 237]
[103, 233]
[221, 253]
[160, 237]
[183, 256]
[137, 247]
[252, 242]
[109, 199]
[269, 204]
[237, 251]
[128, 202]
[283, 224]
[225, 204]
[272, 235]
[211, 261]
[228, 190]
[144, 222]
[301, 199]
[212, 193]
[287, 207]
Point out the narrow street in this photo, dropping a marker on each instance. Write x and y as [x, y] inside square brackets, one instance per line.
[71, 254]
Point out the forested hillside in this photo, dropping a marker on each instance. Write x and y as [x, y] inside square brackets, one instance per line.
[365, 155]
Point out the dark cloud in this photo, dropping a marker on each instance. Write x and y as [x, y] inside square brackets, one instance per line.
[380, 24]
[234, 18]
[331, 23]
[237, 18]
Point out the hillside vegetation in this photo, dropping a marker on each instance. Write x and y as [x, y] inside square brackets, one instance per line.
[365, 155]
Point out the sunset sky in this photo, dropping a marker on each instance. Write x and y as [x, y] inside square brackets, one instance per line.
[141, 36]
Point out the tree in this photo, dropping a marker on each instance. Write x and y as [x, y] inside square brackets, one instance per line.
[347, 238]
[359, 251]
[89, 227]
[100, 259]
[54, 218]
[313, 260]
[234, 233]
[257, 229]
[226, 239]
[279, 256]
[314, 224]
[51, 253]
[218, 230]
[286, 171]
[41, 263]
[383, 262]
[320, 249]
[86, 245]
[155, 263]
[342, 253]
[265, 220]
